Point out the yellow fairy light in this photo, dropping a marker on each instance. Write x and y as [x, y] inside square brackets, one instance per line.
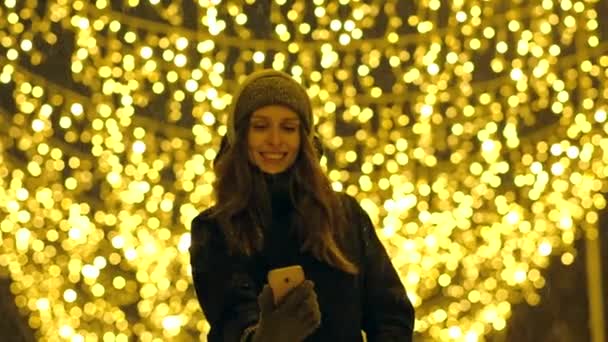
[148, 82]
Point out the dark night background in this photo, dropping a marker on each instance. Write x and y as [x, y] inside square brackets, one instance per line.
[563, 312]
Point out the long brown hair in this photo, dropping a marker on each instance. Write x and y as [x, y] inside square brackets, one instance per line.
[242, 202]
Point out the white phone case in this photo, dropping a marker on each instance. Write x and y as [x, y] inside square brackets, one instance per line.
[283, 280]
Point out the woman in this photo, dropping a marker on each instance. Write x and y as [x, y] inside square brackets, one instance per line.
[274, 208]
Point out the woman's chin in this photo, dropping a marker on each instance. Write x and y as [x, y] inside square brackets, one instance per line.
[272, 166]
[272, 170]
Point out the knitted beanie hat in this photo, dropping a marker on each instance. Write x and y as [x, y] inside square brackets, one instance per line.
[268, 87]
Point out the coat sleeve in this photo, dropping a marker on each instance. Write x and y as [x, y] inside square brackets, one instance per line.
[226, 292]
[388, 314]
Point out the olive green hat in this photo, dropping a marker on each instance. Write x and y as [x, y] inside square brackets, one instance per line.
[268, 87]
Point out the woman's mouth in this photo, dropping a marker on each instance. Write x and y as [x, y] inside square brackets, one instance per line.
[272, 156]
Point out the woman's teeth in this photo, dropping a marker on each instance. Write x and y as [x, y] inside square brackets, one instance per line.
[274, 156]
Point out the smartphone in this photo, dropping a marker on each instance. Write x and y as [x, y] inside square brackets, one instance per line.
[282, 280]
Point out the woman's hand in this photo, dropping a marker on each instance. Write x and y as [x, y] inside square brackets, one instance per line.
[293, 319]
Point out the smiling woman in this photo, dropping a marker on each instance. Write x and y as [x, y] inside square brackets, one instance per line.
[275, 207]
[274, 138]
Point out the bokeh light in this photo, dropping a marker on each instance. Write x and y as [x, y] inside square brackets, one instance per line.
[473, 133]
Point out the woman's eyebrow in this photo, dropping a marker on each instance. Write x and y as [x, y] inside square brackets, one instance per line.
[263, 117]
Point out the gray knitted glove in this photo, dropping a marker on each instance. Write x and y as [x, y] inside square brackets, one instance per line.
[293, 319]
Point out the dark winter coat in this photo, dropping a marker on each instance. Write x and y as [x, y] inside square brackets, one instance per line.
[373, 300]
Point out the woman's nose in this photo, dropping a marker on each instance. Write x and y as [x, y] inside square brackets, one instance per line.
[274, 137]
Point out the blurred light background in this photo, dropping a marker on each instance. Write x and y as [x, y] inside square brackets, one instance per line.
[473, 132]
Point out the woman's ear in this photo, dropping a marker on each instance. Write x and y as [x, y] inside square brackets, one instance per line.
[318, 145]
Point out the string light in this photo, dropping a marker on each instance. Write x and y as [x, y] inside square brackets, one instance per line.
[475, 139]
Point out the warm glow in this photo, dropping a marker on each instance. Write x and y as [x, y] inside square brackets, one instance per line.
[101, 176]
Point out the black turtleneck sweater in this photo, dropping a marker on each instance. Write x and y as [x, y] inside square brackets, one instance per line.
[227, 287]
[281, 246]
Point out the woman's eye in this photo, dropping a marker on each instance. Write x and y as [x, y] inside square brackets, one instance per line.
[260, 127]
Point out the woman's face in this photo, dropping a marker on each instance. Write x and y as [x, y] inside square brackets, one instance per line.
[274, 138]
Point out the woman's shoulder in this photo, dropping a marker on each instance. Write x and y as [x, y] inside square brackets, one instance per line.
[206, 241]
[349, 203]
[355, 214]
[204, 225]
[344, 197]
[205, 216]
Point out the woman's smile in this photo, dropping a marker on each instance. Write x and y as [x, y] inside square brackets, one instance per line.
[272, 156]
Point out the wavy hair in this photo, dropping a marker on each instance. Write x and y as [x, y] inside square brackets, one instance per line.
[242, 203]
